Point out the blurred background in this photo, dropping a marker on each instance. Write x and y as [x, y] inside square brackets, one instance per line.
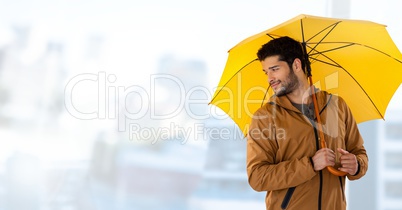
[104, 104]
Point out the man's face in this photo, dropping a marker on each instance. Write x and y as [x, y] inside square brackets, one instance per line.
[280, 76]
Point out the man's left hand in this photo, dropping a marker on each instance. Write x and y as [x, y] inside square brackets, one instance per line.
[348, 162]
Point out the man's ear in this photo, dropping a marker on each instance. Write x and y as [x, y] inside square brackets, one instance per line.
[297, 65]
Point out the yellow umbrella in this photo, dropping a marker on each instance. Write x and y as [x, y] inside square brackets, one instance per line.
[354, 59]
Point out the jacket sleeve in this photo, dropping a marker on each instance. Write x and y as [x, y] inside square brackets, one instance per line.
[354, 144]
[264, 173]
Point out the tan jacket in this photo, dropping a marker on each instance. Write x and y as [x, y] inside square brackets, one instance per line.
[281, 142]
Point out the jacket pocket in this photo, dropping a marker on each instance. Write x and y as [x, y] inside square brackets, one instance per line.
[287, 198]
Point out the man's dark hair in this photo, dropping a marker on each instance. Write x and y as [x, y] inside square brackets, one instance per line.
[287, 48]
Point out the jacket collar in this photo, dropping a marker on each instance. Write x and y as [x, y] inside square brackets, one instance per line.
[283, 101]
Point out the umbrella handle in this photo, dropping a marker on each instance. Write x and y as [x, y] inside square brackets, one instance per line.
[335, 171]
[330, 168]
[320, 131]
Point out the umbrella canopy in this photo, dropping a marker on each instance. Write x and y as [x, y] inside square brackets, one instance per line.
[354, 59]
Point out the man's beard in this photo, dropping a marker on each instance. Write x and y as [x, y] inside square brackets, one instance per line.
[289, 85]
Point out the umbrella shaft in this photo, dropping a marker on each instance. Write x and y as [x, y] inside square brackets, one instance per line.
[306, 62]
[320, 131]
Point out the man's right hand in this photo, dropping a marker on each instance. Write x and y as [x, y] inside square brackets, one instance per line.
[323, 158]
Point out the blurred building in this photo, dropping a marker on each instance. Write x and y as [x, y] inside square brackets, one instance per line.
[161, 165]
[389, 189]
[360, 190]
[381, 188]
[197, 163]
[22, 191]
[224, 183]
[31, 92]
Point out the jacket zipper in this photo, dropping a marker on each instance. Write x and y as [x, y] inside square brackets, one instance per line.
[343, 193]
[290, 191]
[287, 197]
[320, 193]
[321, 178]
[318, 147]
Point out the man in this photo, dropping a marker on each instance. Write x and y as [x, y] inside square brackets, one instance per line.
[283, 153]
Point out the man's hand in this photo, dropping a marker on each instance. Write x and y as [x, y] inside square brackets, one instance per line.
[348, 162]
[323, 158]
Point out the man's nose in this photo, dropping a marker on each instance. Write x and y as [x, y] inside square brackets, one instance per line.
[270, 77]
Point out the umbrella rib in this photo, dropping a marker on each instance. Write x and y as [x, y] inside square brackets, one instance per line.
[270, 36]
[348, 44]
[331, 64]
[333, 27]
[302, 30]
[304, 43]
[351, 76]
[232, 78]
[322, 53]
[372, 102]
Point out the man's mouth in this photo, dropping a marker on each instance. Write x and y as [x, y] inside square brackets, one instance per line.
[275, 84]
